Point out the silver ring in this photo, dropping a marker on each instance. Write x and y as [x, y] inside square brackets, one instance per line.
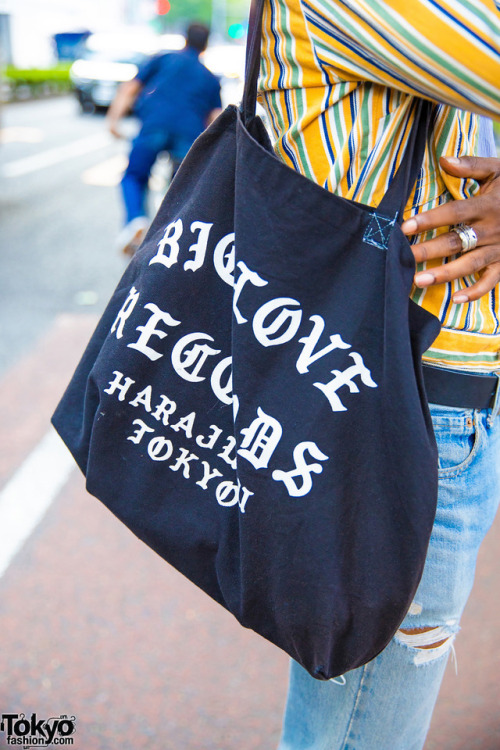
[468, 237]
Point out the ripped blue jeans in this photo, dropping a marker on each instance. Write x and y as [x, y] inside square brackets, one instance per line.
[387, 704]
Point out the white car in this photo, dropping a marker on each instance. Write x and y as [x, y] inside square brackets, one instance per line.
[108, 59]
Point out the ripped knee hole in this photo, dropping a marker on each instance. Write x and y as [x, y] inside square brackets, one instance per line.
[425, 642]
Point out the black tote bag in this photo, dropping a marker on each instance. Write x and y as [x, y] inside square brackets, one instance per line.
[251, 404]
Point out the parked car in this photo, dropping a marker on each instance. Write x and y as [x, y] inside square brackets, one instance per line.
[106, 60]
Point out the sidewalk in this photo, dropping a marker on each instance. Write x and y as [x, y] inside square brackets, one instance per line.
[96, 626]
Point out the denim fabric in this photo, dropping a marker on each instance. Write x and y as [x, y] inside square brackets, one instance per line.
[388, 703]
[145, 149]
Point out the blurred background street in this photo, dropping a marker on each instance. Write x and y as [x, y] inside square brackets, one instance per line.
[59, 215]
[92, 623]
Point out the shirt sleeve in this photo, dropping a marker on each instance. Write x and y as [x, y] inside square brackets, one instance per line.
[446, 50]
[149, 69]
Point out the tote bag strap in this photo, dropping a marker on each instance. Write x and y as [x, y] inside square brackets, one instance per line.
[394, 201]
[252, 63]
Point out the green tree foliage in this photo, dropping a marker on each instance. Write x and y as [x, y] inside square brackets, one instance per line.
[183, 12]
[25, 83]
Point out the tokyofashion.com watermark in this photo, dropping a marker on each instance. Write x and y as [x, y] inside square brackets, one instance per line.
[25, 732]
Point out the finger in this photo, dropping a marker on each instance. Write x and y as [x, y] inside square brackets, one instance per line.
[449, 243]
[489, 279]
[467, 265]
[454, 212]
[484, 169]
[479, 167]
[441, 247]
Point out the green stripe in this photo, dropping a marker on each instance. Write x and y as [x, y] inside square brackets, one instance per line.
[287, 52]
[461, 357]
[298, 137]
[455, 317]
[339, 129]
[476, 10]
[366, 125]
[274, 105]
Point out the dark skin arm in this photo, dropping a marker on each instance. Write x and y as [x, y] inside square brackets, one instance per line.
[482, 212]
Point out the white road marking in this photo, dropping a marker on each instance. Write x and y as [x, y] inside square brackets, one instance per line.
[21, 134]
[56, 155]
[106, 174]
[30, 492]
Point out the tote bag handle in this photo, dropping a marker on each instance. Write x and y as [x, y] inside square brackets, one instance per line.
[252, 62]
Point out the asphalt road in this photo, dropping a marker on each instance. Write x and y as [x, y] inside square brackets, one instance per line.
[59, 215]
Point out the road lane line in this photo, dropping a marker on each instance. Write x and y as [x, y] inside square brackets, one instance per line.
[52, 156]
[21, 134]
[106, 174]
[27, 496]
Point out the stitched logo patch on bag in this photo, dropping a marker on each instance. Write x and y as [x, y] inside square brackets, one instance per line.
[378, 230]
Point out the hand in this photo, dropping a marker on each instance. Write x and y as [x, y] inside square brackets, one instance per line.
[113, 129]
[482, 212]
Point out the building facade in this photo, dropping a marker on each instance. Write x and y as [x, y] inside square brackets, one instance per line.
[27, 27]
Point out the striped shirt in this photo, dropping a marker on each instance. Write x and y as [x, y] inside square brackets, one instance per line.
[338, 79]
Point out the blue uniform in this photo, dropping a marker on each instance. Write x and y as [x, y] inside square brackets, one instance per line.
[178, 95]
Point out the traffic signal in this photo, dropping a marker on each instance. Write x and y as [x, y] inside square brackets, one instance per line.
[162, 7]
